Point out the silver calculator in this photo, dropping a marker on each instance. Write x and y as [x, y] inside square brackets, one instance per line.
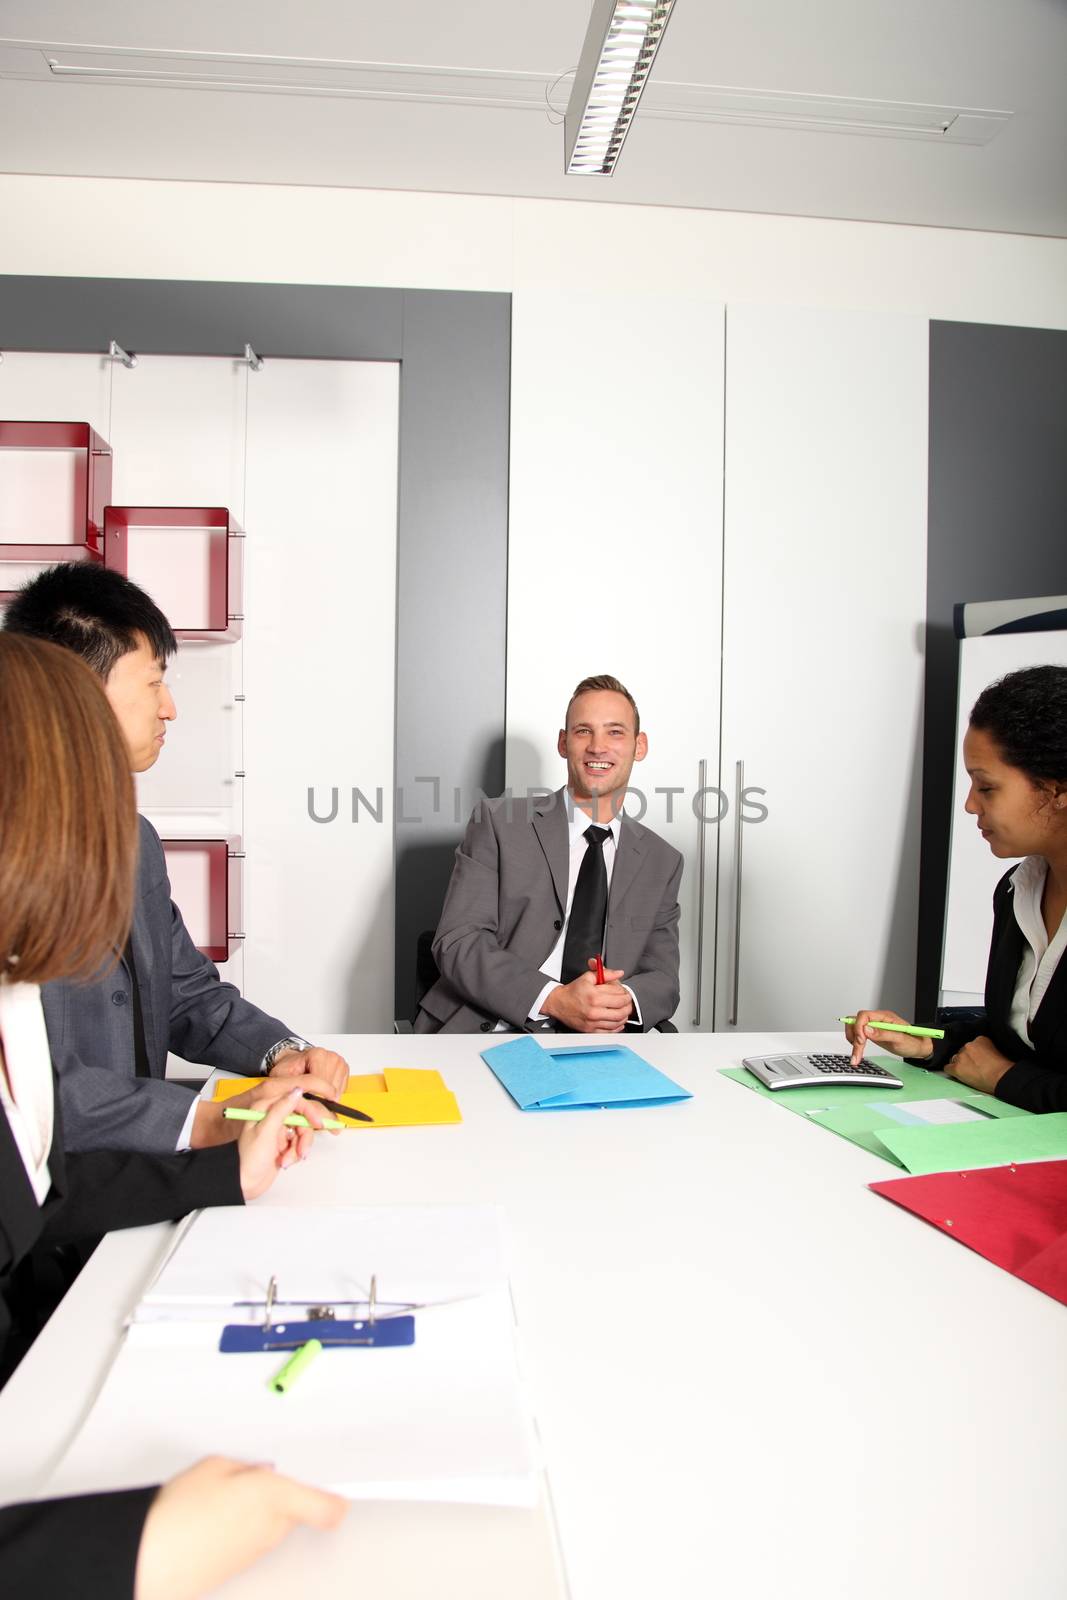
[805, 1072]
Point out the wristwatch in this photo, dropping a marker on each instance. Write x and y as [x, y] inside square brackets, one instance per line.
[292, 1042]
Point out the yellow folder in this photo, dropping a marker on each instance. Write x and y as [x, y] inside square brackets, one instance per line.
[399, 1097]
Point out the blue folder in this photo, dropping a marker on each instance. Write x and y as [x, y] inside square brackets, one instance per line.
[572, 1079]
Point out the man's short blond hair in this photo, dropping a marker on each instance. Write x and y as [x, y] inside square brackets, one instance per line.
[604, 680]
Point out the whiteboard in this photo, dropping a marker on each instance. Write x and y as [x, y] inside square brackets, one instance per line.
[973, 871]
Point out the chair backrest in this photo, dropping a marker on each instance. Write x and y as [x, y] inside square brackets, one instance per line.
[426, 969]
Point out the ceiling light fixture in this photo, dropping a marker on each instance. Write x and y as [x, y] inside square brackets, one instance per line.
[620, 47]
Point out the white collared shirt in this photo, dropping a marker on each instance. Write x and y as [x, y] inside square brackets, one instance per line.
[552, 966]
[1042, 955]
[26, 1086]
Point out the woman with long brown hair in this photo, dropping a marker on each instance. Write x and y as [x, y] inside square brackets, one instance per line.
[67, 857]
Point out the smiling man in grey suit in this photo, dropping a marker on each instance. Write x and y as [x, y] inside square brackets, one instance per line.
[542, 887]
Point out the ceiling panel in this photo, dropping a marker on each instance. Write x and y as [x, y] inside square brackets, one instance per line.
[1000, 55]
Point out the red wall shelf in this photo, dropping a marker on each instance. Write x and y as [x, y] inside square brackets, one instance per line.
[59, 497]
[208, 889]
[188, 558]
[55, 489]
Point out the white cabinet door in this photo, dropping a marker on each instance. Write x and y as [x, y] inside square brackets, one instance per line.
[825, 599]
[615, 545]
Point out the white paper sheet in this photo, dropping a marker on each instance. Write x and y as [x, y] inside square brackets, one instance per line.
[227, 1256]
[931, 1113]
[443, 1419]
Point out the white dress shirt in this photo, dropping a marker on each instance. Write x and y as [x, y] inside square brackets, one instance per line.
[1041, 956]
[552, 966]
[185, 1137]
[26, 1086]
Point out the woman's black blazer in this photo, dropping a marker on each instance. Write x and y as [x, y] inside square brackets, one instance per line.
[1037, 1078]
[87, 1546]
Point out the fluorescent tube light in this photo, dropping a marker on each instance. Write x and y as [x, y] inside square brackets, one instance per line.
[620, 47]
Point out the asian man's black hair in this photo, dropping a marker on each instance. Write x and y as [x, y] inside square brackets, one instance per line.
[98, 614]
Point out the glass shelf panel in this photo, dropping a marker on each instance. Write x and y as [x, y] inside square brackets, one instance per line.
[196, 767]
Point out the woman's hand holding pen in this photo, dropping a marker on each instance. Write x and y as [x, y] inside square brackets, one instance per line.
[266, 1148]
[865, 1029]
[211, 1522]
[211, 1126]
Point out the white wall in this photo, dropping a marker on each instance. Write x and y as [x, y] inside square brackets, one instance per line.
[103, 227]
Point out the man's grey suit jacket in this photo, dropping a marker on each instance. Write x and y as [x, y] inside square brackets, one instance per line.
[186, 1009]
[505, 906]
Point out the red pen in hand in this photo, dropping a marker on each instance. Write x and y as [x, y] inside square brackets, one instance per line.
[599, 968]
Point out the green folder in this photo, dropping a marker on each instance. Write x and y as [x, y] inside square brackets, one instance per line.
[918, 1085]
[849, 1109]
[960, 1146]
[867, 1126]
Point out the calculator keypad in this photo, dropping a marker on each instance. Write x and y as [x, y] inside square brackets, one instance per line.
[835, 1064]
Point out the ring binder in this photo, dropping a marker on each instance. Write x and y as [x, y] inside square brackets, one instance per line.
[321, 1322]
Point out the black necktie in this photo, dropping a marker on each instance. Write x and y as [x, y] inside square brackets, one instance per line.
[585, 927]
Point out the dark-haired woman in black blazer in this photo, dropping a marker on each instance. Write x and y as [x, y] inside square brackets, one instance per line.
[1015, 752]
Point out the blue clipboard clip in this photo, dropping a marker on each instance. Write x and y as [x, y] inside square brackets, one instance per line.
[375, 1331]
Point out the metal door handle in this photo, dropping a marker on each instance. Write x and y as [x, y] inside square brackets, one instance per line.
[702, 777]
[740, 789]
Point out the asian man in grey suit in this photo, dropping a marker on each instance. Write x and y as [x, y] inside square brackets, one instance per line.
[543, 887]
[109, 1039]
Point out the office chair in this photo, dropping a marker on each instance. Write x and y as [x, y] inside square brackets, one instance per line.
[427, 974]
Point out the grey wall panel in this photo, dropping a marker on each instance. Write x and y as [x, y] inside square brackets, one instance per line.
[997, 530]
[310, 321]
[452, 591]
[455, 355]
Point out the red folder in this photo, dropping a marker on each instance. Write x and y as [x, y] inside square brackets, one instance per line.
[1014, 1216]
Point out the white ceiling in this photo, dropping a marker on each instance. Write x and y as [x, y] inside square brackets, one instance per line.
[420, 130]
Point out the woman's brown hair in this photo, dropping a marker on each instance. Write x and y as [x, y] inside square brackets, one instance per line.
[68, 824]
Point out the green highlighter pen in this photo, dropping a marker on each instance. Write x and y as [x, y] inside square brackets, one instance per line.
[286, 1376]
[901, 1027]
[295, 1120]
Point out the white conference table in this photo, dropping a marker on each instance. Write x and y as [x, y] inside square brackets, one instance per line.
[751, 1376]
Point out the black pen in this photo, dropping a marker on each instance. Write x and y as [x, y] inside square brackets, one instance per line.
[338, 1109]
